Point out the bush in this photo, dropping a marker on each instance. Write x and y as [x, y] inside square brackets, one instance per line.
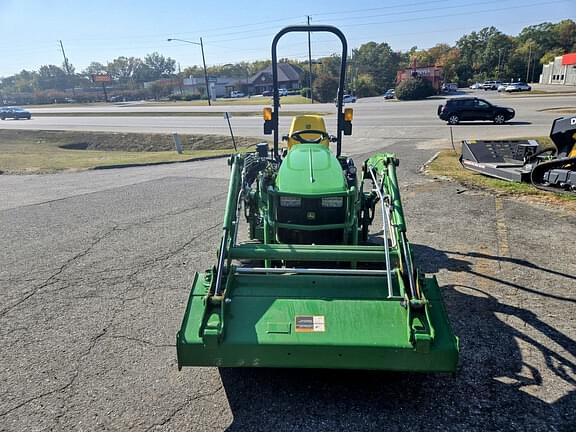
[305, 92]
[414, 89]
[325, 88]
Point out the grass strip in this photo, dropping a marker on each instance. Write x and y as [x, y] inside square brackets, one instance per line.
[167, 114]
[34, 152]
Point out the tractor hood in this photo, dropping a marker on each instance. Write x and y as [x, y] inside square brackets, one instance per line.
[310, 169]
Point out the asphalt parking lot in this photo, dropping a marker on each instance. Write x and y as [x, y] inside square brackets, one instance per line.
[96, 269]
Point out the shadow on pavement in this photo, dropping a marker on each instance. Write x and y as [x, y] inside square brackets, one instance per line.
[484, 123]
[490, 392]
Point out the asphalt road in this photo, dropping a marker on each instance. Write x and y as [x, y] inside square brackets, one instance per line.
[96, 269]
[375, 119]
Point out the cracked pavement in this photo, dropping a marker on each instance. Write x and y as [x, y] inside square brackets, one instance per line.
[94, 280]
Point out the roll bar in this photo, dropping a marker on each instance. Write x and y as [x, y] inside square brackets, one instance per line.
[309, 28]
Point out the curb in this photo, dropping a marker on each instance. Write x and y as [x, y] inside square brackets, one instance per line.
[426, 164]
[135, 165]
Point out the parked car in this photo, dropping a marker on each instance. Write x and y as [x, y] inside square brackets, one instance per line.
[502, 87]
[15, 113]
[471, 108]
[348, 99]
[236, 94]
[268, 93]
[449, 87]
[491, 85]
[517, 87]
[390, 94]
[476, 86]
[283, 92]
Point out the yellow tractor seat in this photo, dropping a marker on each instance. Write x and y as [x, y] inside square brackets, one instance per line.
[312, 123]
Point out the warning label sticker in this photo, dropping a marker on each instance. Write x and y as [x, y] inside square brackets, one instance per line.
[310, 323]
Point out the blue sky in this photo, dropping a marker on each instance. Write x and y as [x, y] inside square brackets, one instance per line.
[232, 31]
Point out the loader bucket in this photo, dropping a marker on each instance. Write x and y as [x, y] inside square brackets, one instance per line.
[316, 321]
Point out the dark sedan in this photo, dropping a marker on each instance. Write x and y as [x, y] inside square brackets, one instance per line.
[471, 108]
[14, 113]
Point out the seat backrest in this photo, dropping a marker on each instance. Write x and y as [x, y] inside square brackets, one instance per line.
[307, 122]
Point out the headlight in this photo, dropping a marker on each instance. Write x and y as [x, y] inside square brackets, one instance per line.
[288, 201]
[332, 202]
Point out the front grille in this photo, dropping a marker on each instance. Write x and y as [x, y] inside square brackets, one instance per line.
[311, 212]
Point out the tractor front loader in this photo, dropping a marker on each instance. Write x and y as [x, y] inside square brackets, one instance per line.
[313, 288]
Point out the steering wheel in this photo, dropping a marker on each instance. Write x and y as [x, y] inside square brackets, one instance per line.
[298, 136]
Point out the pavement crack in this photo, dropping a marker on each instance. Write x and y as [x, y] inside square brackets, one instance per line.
[178, 409]
[142, 341]
[53, 278]
[66, 385]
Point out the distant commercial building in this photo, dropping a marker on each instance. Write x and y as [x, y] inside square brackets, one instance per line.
[219, 86]
[434, 74]
[561, 71]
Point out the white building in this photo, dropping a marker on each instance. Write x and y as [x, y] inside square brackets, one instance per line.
[561, 71]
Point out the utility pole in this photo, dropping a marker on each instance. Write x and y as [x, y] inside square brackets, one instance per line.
[67, 66]
[203, 63]
[205, 74]
[310, 63]
[528, 65]
[499, 56]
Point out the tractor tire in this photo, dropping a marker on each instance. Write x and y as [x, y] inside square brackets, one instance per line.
[499, 119]
[453, 119]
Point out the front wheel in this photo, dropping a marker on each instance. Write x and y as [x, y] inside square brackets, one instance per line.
[499, 119]
[454, 119]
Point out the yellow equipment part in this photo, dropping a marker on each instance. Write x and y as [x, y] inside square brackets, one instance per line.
[308, 122]
[572, 152]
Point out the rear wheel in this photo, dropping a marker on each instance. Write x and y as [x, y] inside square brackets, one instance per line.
[499, 119]
[454, 119]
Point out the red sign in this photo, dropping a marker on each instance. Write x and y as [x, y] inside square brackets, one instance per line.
[569, 59]
[101, 78]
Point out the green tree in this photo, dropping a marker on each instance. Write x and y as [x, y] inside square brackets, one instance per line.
[379, 62]
[325, 87]
[157, 66]
[51, 77]
[123, 69]
[565, 35]
[94, 68]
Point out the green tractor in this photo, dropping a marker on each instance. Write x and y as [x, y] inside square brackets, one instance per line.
[312, 287]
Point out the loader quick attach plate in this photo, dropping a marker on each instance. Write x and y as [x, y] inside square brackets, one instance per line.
[504, 159]
[317, 321]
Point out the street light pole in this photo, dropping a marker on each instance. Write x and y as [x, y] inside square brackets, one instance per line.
[203, 62]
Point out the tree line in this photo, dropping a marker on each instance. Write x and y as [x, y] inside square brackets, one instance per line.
[372, 68]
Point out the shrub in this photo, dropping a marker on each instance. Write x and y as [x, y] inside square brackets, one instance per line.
[305, 92]
[414, 89]
[325, 88]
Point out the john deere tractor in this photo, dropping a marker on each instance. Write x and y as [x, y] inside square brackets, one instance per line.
[313, 286]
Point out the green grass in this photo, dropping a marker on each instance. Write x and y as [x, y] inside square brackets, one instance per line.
[31, 152]
[448, 165]
[254, 100]
[167, 114]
